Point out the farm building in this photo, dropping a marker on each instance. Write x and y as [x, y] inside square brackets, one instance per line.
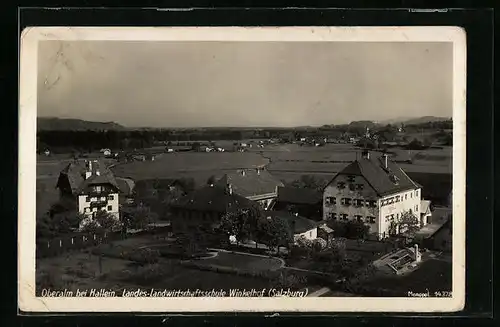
[325, 232]
[306, 202]
[299, 226]
[375, 191]
[92, 186]
[205, 207]
[254, 184]
[441, 240]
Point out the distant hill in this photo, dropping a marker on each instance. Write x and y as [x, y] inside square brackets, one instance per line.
[363, 123]
[414, 121]
[63, 124]
[425, 119]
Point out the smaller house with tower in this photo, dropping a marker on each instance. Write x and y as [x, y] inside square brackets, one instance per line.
[92, 186]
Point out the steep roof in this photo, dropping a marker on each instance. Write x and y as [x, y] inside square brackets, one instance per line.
[75, 174]
[214, 199]
[299, 195]
[250, 182]
[298, 224]
[381, 179]
[125, 185]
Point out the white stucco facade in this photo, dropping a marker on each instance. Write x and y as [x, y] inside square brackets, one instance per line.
[352, 198]
[394, 205]
[109, 202]
[363, 201]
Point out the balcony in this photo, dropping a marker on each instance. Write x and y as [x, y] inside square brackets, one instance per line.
[98, 203]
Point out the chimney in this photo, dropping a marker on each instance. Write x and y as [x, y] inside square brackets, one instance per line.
[418, 257]
[384, 156]
[243, 172]
[366, 154]
[96, 168]
[230, 189]
[88, 173]
[258, 171]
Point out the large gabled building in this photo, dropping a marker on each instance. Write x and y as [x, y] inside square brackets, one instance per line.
[254, 184]
[203, 208]
[92, 186]
[374, 191]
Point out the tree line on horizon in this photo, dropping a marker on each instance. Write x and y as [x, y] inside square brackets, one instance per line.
[92, 140]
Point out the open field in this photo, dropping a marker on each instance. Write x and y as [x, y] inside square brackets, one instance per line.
[175, 164]
[431, 167]
[281, 158]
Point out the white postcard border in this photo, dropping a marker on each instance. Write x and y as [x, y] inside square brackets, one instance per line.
[27, 168]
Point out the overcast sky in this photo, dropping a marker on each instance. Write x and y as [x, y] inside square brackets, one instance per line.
[193, 84]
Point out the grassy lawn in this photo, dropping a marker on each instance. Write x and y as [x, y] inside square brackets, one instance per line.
[81, 271]
[78, 270]
[242, 261]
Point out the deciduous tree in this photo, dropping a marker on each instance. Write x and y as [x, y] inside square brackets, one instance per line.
[241, 223]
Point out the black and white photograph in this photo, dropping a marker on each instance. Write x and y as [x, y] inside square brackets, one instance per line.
[313, 168]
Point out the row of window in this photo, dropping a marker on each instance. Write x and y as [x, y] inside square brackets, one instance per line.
[397, 198]
[352, 187]
[103, 198]
[358, 218]
[95, 209]
[331, 200]
[391, 217]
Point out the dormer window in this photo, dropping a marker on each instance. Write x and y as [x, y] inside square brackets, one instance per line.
[394, 179]
[350, 179]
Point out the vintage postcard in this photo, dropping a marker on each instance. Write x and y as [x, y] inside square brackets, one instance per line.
[262, 169]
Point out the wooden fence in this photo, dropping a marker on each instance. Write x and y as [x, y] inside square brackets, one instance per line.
[77, 241]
